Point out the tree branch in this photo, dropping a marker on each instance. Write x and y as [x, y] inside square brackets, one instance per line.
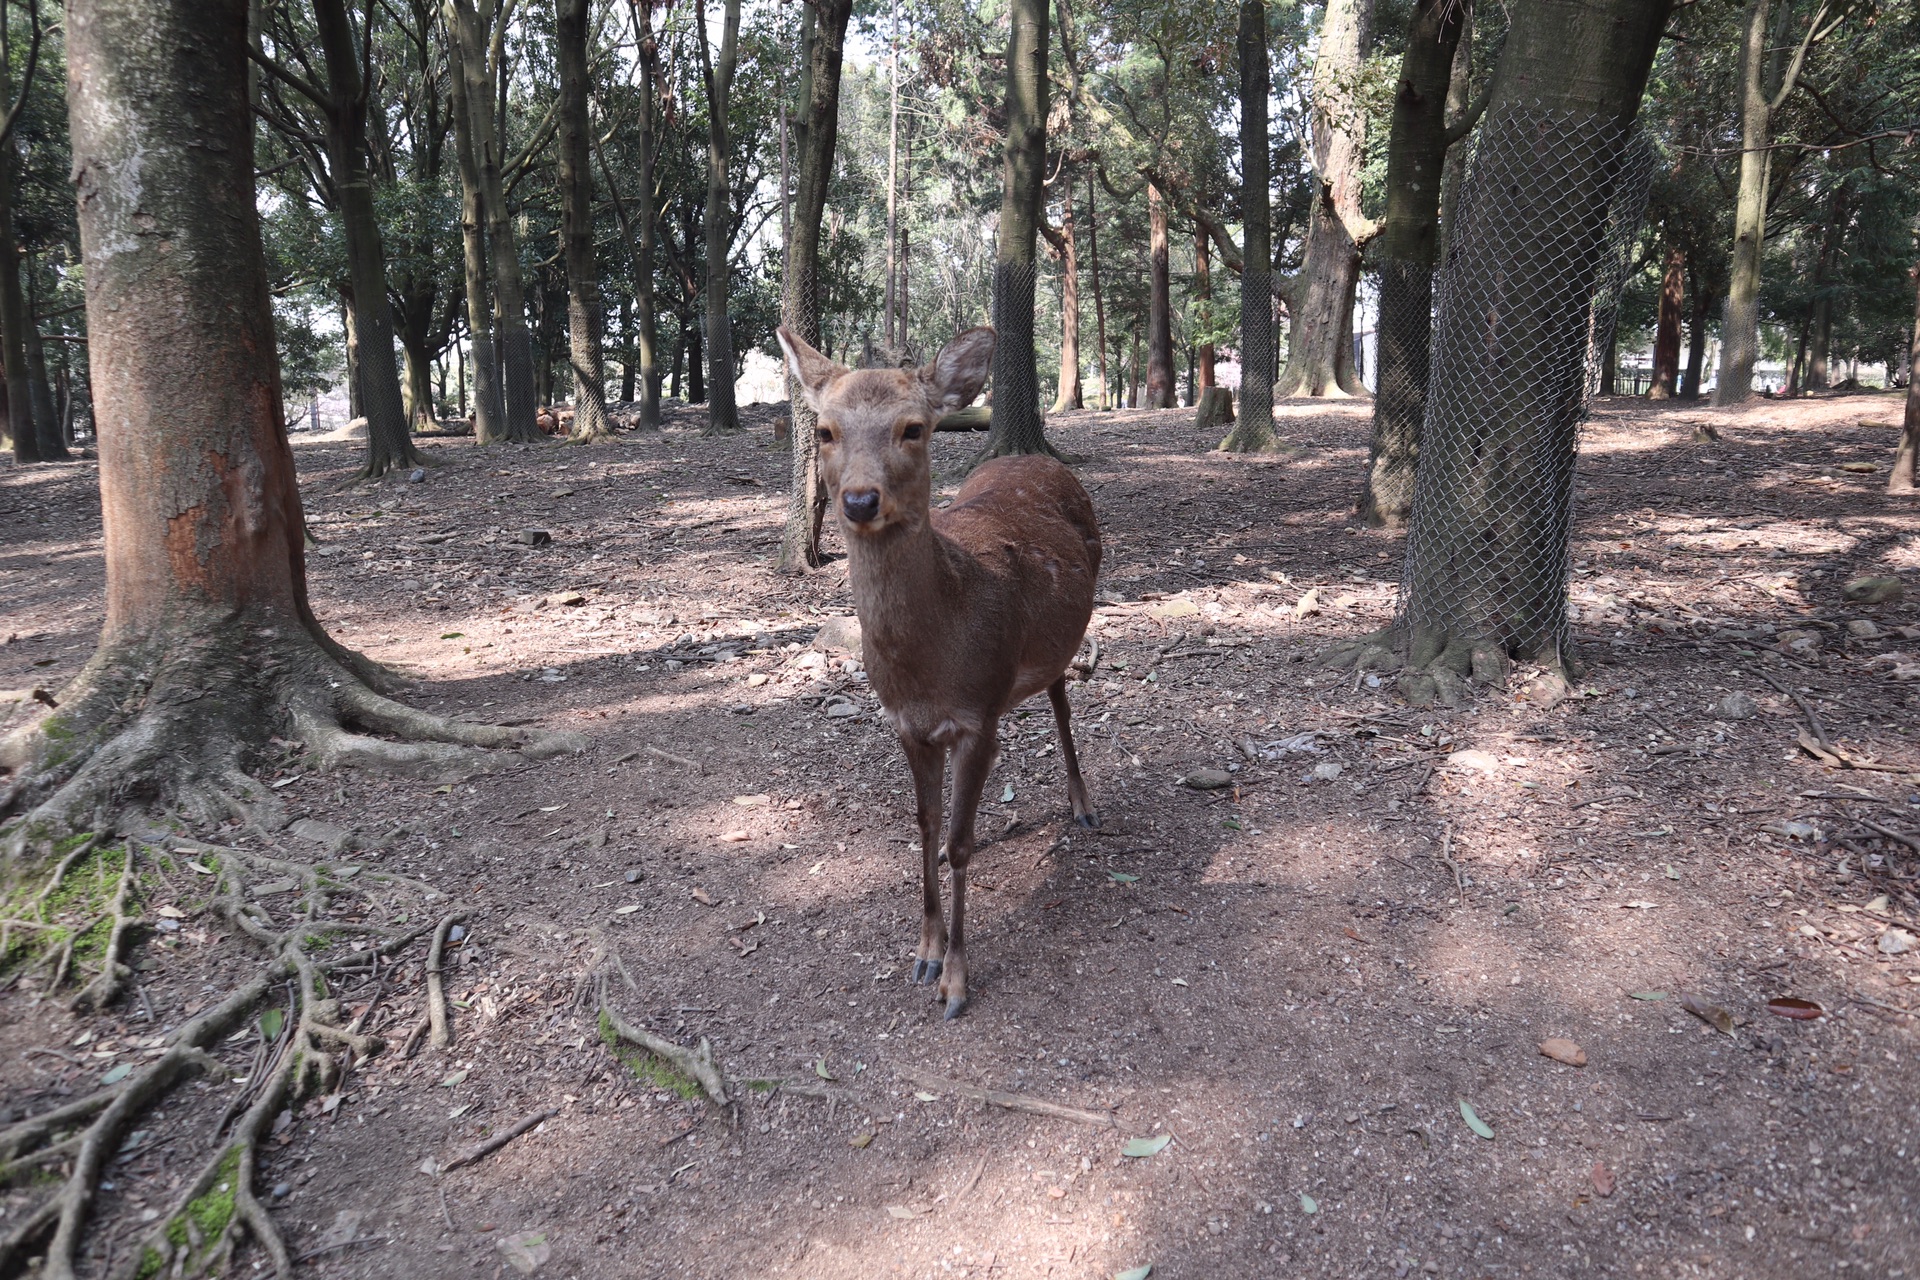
[292, 79]
[26, 79]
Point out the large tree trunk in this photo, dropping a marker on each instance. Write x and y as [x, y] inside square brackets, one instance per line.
[1017, 425]
[1819, 335]
[1666, 337]
[46, 416]
[1767, 76]
[1319, 344]
[489, 412]
[586, 312]
[1408, 248]
[389, 435]
[209, 648]
[513, 342]
[823, 40]
[416, 380]
[1488, 552]
[1068, 395]
[1253, 422]
[1203, 293]
[718, 72]
[1904, 479]
[1160, 393]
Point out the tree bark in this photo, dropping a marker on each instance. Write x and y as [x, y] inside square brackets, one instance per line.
[1696, 340]
[1488, 552]
[1253, 423]
[1160, 393]
[1903, 479]
[1408, 248]
[389, 435]
[1319, 345]
[1820, 321]
[893, 177]
[824, 34]
[718, 74]
[586, 309]
[46, 416]
[1017, 424]
[513, 341]
[1666, 337]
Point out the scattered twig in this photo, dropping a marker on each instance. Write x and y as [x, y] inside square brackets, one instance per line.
[499, 1140]
[1010, 1101]
[671, 758]
[1617, 795]
[1910, 841]
[695, 1064]
[436, 987]
[1446, 856]
[338, 1245]
[1890, 1008]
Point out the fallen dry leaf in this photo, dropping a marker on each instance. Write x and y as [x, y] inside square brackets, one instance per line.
[1602, 1179]
[1794, 1007]
[1711, 1014]
[1564, 1051]
[702, 897]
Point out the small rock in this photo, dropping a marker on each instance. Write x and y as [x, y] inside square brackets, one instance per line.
[1208, 779]
[533, 537]
[1327, 770]
[270, 888]
[842, 711]
[741, 709]
[281, 1190]
[1481, 761]
[566, 599]
[839, 633]
[1874, 590]
[1863, 629]
[633, 876]
[1896, 942]
[674, 664]
[1736, 706]
[1308, 603]
[757, 679]
[417, 476]
[1561, 1050]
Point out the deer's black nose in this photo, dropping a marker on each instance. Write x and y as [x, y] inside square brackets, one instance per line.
[860, 505]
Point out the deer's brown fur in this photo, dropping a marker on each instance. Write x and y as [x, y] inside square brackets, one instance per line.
[964, 612]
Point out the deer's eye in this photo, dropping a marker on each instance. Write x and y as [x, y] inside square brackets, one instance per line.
[912, 432]
[825, 436]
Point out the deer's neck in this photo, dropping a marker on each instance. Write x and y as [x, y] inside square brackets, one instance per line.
[902, 584]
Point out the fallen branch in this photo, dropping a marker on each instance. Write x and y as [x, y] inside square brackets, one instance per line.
[499, 1140]
[1009, 1101]
[436, 988]
[695, 1064]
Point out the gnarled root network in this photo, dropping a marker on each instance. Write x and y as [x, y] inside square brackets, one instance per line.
[301, 1049]
[175, 722]
[1433, 666]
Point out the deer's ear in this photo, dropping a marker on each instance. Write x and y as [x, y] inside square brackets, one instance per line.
[960, 370]
[813, 371]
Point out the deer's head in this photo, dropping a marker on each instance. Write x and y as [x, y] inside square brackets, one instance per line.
[875, 426]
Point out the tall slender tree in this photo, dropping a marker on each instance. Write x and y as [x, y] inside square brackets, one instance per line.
[586, 309]
[1253, 420]
[716, 70]
[816, 130]
[1017, 424]
[1907, 460]
[31, 441]
[1770, 64]
[489, 411]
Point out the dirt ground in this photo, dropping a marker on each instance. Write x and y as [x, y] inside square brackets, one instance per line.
[1300, 978]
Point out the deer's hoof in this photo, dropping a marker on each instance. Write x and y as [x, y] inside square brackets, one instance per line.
[925, 971]
[954, 1005]
[1091, 821]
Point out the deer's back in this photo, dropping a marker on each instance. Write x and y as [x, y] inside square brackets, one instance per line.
[1029, 525]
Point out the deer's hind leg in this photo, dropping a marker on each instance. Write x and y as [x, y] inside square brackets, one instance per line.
[1076, 786]
[928, 762]
[972, 760]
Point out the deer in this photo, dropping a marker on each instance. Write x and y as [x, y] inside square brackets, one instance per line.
[965, 612]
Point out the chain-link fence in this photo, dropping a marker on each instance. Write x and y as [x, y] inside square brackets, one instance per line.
[1525, 309]
[1016, 380]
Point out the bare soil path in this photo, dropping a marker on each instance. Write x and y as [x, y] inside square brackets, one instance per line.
[1299, 977]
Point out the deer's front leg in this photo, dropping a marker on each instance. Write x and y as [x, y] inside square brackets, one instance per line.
[972, 761]
[928, 761]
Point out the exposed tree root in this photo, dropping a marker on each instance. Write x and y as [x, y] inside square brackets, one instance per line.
[302, 1052]
[695, 1064]
[178, 722]
[1435, 666]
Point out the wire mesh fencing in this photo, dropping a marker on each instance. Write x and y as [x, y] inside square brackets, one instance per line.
[1524, 309]
[1016, 379]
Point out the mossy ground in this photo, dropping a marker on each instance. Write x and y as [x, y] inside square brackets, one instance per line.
[84, 894]
[647, 1068]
